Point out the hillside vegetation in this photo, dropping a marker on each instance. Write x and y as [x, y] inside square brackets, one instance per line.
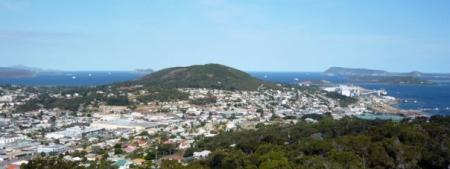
[202, 76]
[329, 144]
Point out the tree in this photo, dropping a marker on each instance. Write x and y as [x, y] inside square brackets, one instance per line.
[118, 149]
[274, 160]
[118, 101]
[346, 159]
[379, 158]
[145, 165]
[171, 164]
[50, 163]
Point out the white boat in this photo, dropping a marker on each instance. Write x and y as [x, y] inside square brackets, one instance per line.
[89, 75]
[74, 77]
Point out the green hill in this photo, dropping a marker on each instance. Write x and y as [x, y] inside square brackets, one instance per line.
[202, 76]
[12, 72]
[341, 71]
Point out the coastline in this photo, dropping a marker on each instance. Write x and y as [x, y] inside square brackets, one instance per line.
[390, 108]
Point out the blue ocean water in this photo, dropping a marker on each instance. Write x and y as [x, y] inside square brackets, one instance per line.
[80, 78]
[432, 99]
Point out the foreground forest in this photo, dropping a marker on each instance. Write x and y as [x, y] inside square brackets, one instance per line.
[328, 144]
[346, 143]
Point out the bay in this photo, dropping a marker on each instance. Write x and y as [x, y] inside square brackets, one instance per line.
[432, 99]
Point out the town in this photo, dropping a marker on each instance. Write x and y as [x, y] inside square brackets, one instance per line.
[145, 132]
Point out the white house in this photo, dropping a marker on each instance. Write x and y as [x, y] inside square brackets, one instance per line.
[201, 154]
[52, 149]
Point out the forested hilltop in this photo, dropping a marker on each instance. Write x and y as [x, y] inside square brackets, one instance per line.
[329, 144]
[213, 76]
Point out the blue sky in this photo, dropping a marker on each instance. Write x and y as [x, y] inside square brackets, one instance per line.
[275, 35]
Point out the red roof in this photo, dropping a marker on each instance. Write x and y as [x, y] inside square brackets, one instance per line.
[12, 166]
[174, 157]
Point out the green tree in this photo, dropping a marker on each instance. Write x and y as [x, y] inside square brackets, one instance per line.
[274, 160]
[347, 159]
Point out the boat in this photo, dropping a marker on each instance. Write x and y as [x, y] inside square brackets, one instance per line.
[74, 77]
[383, 92]
[89, 75]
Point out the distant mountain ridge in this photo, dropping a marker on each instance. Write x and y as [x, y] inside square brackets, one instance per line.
[145, 70]
[15, 72]
[343, 71]
[355, 72]
[21, 71]
[202, 76]
[378, 76]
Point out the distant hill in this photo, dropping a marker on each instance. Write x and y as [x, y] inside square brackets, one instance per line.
[202, 76]
[147, 71]
[378, 76]
[415, 74]
[341, 71]
[13, 72]
[23, 67]
[20, 71]
[406, 79]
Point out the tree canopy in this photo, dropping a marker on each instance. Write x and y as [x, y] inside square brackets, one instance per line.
[346, 143]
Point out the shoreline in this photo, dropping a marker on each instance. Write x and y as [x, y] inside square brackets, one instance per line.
[390, 109]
